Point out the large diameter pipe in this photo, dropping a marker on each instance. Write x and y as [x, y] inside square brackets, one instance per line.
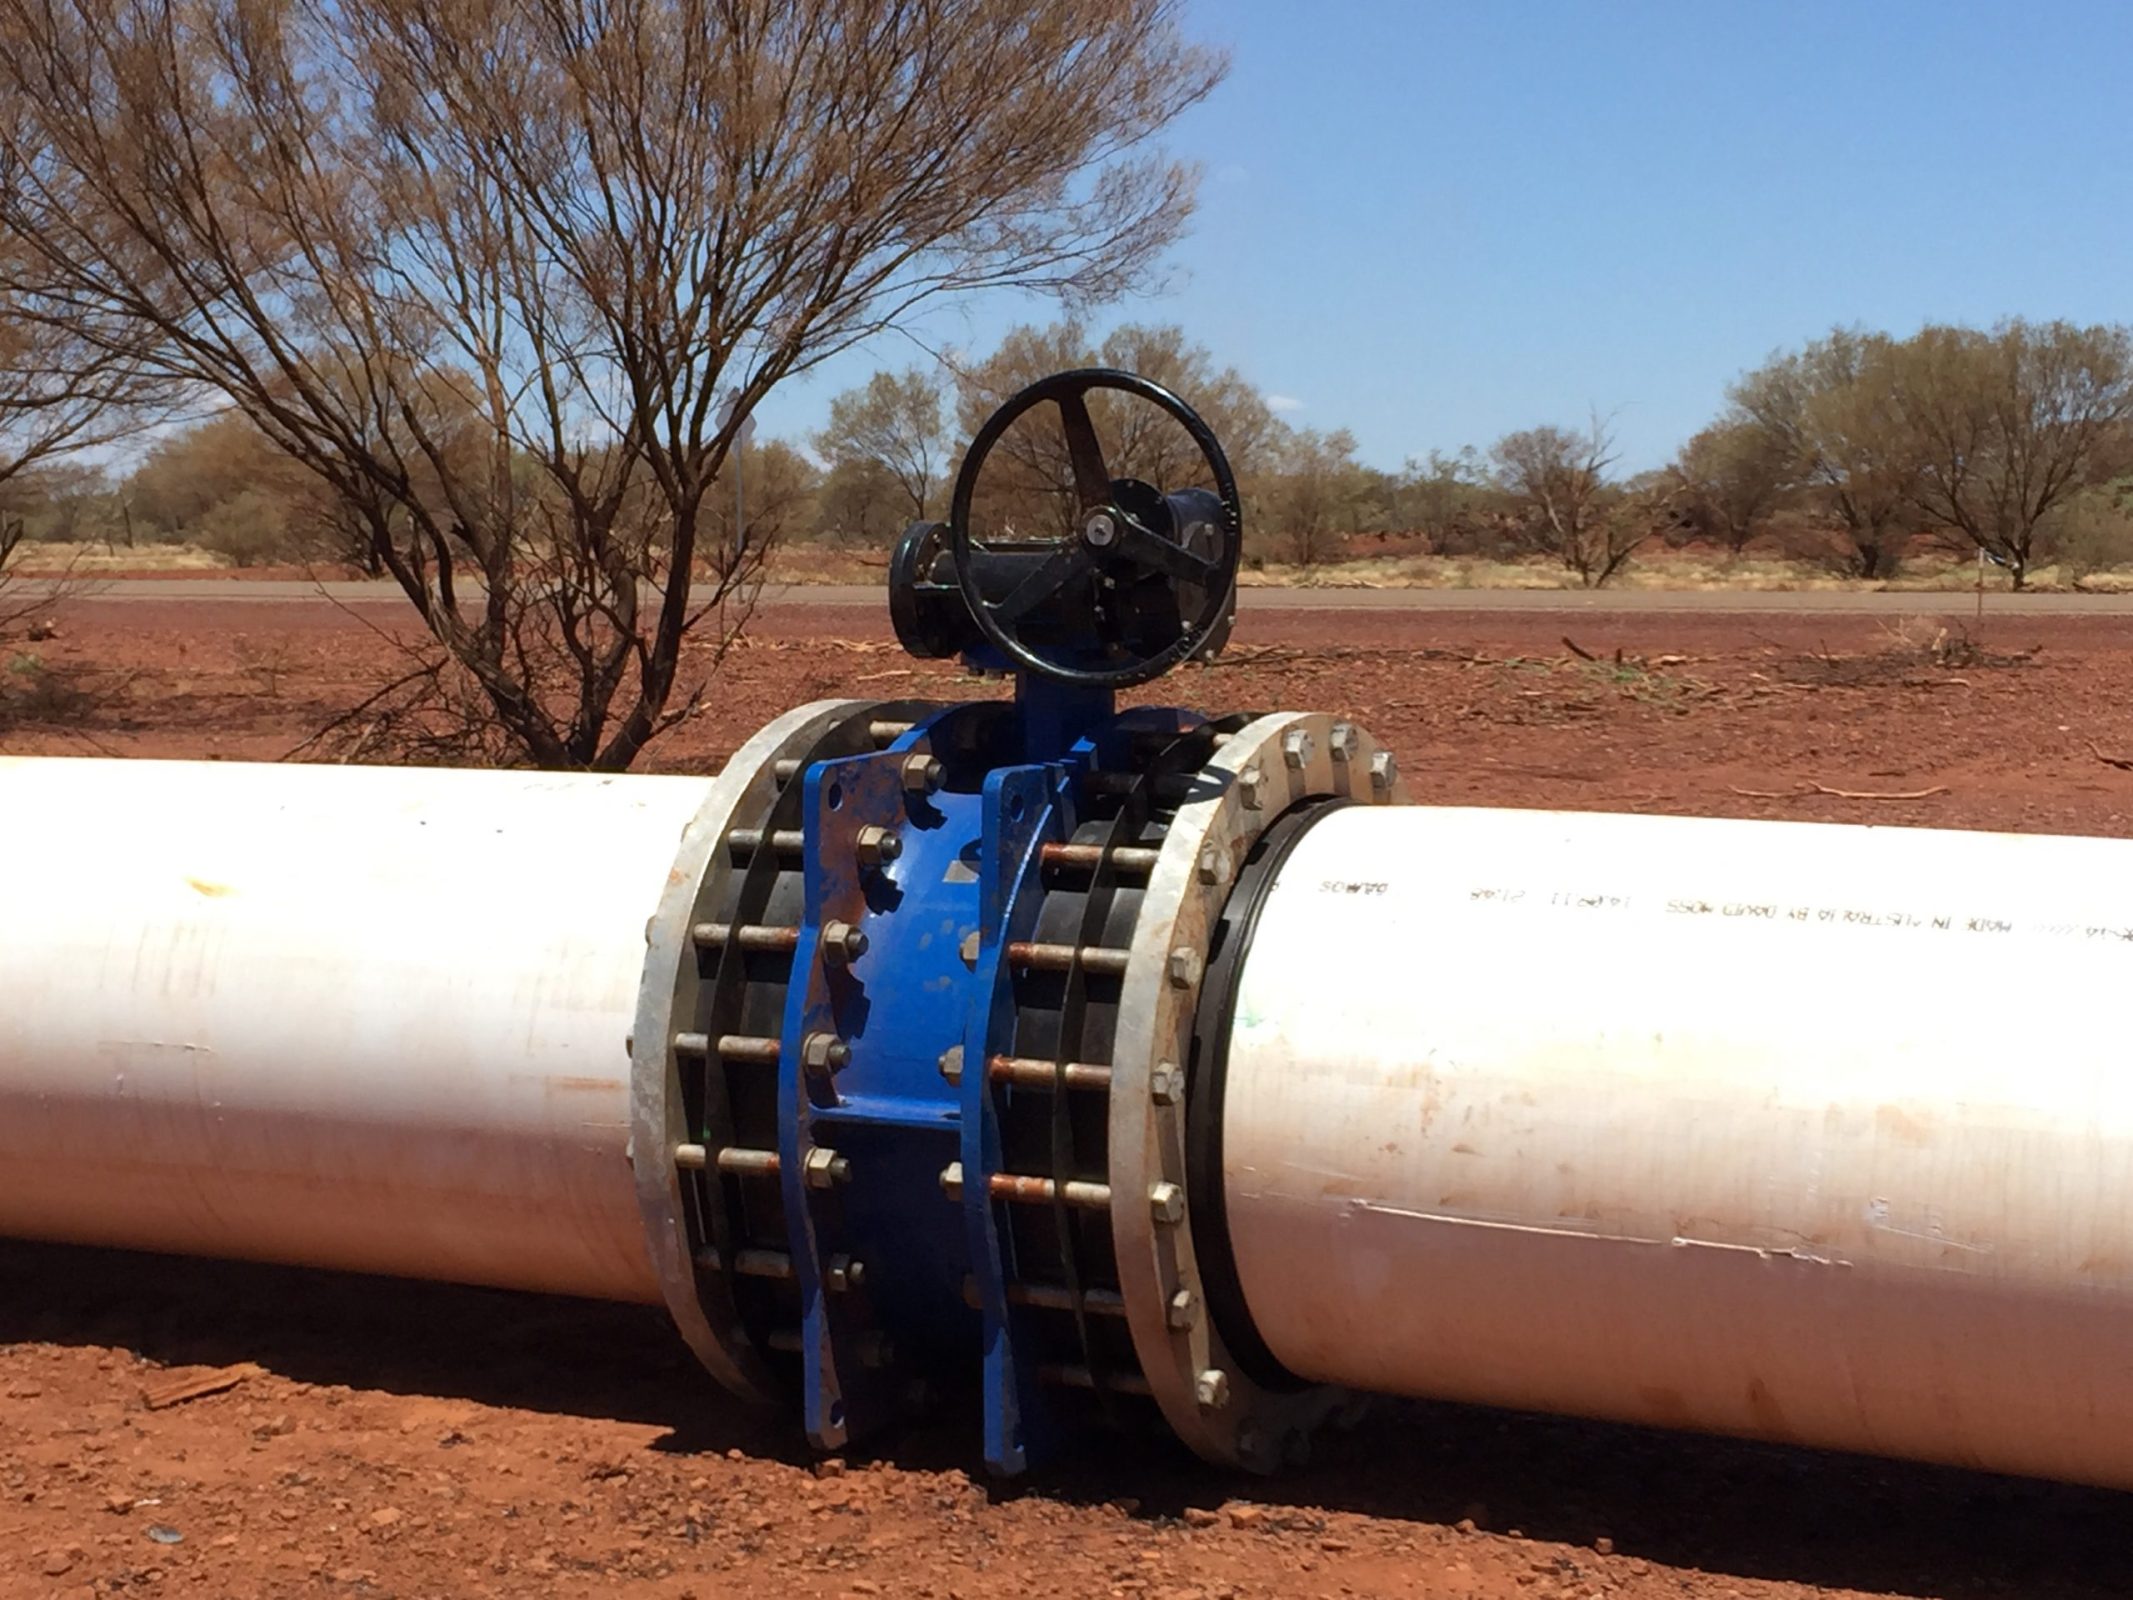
[360, 1018]
[1818, 1134]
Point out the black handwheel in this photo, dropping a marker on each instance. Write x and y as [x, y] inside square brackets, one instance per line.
[1144, 580]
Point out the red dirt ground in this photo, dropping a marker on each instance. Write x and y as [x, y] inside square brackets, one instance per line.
[416, 1440]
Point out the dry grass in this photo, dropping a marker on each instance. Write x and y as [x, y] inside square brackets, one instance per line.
[1675, 571]
[52, 560]
[804, 562]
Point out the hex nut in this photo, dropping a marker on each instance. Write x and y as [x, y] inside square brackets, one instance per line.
[842, 943]
[1212, 867]
[878, 846]
[1297, 748]
[844, 1274]
[1251, 788]
[1211, 1389]
[922, 773]
[823, 1168]
[952, 1063]
[1384, 772]
[1344, 742]
[1166, 1202]
[1183, 1311]
[952, 1180]
[971, 947]
[1166, 1084]
[824, 1053]
[1185, 967]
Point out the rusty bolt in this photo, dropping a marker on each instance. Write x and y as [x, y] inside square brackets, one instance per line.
[922, 773]
[952, 1181]
[1184, 1310]
[1211, 1389]
[1185, 967]
[825, 1169]
[1297, 748]
[952, 1063]
[1212, 864]
[1345, 742]
[824, 1053]
[878, 846]
[842, 943]
[1251, 787]
[1166, 1085]
[1384, 772]
[1166, 1201]
[970, 949]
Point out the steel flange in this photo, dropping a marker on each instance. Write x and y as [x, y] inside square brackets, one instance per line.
[1260, 772]
[686, 1021]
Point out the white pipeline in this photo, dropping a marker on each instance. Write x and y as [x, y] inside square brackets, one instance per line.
[350, 1017]
[1821, 1134]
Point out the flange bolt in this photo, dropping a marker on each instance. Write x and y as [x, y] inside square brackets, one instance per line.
[842, 943]
[825, 1169]
[825, 1053]
[1166, 1202]
[922, 773]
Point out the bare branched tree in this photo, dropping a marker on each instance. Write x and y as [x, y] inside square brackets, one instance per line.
[1833, 407]
[894, 422]
[1731, 476]
[1322, 492]
[66, 384]
[1560, 480]
[493, 272]
[2011, 423]
[1030, 477]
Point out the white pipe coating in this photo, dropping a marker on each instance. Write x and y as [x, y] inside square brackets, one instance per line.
[352, 1017]
[1820, 1134]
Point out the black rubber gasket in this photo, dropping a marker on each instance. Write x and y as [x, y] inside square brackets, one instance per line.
[1206, 1083]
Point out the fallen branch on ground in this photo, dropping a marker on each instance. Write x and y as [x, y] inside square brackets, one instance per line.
[2122, 763]
[1799, 789]
[200, 1385]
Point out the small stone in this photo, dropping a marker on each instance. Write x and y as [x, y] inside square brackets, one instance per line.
[1514, 1533]
[1464, 1525]
[385, 1516]
[1335, 1546]
[1604, 1545]
[1246, 1516]
[163, 1534]
[829, 1467]
[118, 1504]
[57, 1564]
[1201, 1517]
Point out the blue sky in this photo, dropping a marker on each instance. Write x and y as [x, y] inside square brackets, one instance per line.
[1432, 223]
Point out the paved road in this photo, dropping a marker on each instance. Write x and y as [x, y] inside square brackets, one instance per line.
[1616, 601]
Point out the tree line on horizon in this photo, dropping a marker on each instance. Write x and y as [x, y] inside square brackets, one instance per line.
[1845, 453]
